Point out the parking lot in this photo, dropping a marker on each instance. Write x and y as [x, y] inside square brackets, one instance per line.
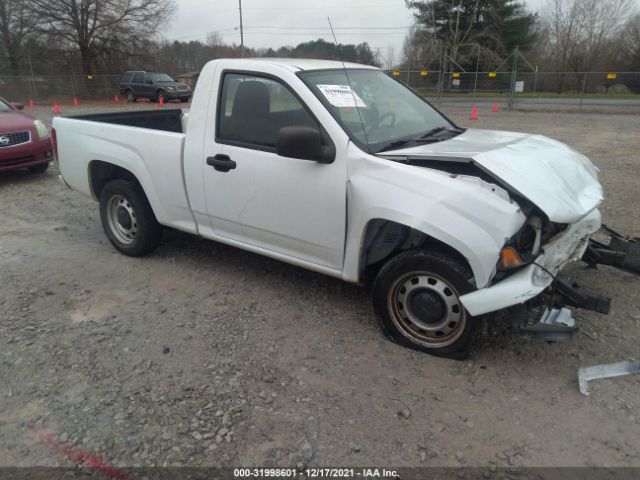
[203, 354]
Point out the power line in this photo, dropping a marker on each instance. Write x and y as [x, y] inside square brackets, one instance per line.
[327, 28]
[212, 32]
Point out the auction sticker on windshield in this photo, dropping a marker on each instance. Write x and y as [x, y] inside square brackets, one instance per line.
[341, 96]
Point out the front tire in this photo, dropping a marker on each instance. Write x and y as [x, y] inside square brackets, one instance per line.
[127, 218]
[416, 297]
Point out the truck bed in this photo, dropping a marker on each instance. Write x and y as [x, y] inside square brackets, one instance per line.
[164, 120]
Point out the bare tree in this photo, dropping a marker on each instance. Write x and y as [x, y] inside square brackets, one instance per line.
[15, 24]
[630, 44]
[579, 32]
[97, 27]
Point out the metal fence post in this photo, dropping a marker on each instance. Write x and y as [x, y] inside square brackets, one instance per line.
[33, 81]
[73, 86]
[514, 76]
[584, 88]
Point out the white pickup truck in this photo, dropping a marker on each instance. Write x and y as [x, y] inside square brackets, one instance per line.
[343, 170]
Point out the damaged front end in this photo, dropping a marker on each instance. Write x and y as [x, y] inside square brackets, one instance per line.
[548, 318]
[528, 266]
[558, 192]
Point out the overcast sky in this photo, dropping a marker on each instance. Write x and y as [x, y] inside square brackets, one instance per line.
[273, 23]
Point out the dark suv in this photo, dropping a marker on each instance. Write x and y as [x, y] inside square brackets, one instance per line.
[154, 86]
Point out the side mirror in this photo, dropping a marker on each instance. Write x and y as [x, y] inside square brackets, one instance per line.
[17, 106]
[304, 143]
[148, 81]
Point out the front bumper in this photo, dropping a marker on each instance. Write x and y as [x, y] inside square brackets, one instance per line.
[531, 281]
[26, 155]
[178, 95]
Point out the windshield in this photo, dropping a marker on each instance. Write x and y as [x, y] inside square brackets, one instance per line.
[4, 107]
[160, 77]
[389, 112]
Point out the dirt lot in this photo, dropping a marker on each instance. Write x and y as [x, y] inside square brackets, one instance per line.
[202, 354]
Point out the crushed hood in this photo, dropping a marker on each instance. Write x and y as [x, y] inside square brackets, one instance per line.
[560, 181]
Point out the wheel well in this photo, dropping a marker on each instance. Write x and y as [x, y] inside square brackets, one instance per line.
[384, 239]
[101, 173]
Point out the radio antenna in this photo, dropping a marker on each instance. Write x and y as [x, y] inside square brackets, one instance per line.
[353, 92]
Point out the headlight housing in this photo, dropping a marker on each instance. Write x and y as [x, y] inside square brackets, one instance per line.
[43, 131]
[170, 89]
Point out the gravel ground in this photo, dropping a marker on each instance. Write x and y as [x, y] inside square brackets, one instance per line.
[202, 354]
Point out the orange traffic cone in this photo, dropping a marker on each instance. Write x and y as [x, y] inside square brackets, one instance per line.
[75, 101]
[56, 108]
[495, 107]
[116, 99]
[31, 103]
[161, 101]
[474, 113]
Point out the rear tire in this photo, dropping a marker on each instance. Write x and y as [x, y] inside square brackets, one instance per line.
[128, 219]
[416, 298]
[39, 168]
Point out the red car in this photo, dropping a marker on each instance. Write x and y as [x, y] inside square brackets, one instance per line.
[24, 141]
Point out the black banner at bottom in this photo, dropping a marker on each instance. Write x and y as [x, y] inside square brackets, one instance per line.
[310, 473]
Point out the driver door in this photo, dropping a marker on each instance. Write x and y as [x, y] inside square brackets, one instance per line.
[290, 207]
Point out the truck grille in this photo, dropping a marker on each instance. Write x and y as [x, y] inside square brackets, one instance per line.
[15, 138]
[182, 88]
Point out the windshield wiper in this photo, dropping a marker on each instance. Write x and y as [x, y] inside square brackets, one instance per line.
[432, 132]
[430, 136]
[405, 141]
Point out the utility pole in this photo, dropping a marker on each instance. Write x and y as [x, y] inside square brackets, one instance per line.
[241, 30]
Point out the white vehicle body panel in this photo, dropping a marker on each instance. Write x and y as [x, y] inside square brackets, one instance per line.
[416, 197]
[560, 181]
[526, 284]
[316, 215]
[154, 157]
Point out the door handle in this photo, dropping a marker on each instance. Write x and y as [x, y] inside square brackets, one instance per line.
[222, 163]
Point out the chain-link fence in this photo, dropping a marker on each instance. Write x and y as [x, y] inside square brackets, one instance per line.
[58, 88]
[514, 88]
[526, 87]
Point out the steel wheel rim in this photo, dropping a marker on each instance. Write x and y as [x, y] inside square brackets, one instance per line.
[435, 334]
[122, 219]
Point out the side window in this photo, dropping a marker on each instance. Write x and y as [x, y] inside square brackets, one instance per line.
[138, 78]
[253, 109]
[126, 78]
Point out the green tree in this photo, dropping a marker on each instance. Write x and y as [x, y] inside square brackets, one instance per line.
[516, 26]
[460, 30]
